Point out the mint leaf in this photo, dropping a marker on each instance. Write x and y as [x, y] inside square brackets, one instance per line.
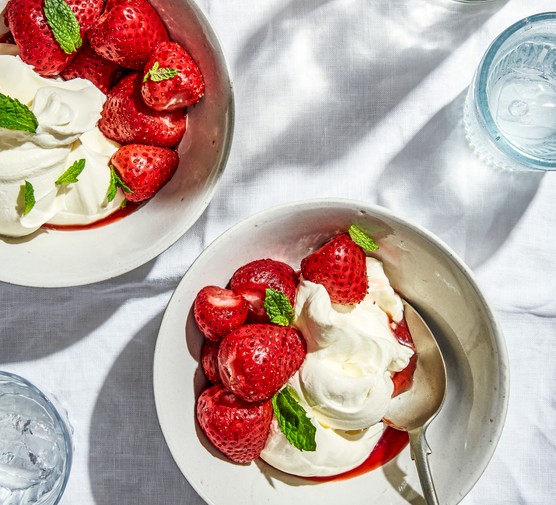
[293, 421]
[64, 25]
[115, 183]
[16, 116]
[71, 174]
[28, 197]
[278, 307]
[157, 74]
[362, 239]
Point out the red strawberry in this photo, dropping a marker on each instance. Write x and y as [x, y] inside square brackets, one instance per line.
[127, 120]
[128, 32]
[144, 169]
[256, 360]
[252, 279]
[34, 37]
[340, 266]
[89, 65]
[163, 92]
[237, 428]
[209, 361]
[218, 311]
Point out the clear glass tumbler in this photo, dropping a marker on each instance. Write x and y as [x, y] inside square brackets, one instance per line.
[36, 447]
[510, 109]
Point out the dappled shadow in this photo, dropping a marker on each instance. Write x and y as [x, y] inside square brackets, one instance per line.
[438, 182]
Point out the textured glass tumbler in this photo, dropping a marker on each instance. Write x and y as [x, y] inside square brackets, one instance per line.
[36, 448]
[510, 109]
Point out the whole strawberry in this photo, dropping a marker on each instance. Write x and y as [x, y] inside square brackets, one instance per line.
[237, 428]
[49, 32]
[340, 266]
[256, 360]
[252, 280]
[144, 169]
[128, 32]
[172, 79]
[89, 65]
[218, 311]
[127, 120]
[209, 361]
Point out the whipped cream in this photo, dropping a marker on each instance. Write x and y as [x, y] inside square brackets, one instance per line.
[67, 112]
[345, 381]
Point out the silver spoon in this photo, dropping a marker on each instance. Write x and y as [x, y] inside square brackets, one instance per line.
[413, 410]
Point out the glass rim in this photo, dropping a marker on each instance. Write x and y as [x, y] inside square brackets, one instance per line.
[64, 424]
[481, 101]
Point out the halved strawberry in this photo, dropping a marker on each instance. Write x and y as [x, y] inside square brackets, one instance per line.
[237, 428]
[218, 311]
[340, 266]
[252, 279]
[128, 32]
[127, 120]
[144, 169]
[209, 361]
[89, 65]
[172, 79]
[256, 360]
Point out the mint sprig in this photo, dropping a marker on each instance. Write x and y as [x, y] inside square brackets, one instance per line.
[278, 307]
[71, 174]
[293, 421]
[64, 25]
[158, 74]
[362, 239]
[15, 115]
[28, 197]
[115, 183]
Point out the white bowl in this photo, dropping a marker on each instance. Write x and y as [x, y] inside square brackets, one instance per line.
[463, 436]
[53, 258]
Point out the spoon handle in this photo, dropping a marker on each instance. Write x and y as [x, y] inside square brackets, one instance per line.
[419, 452]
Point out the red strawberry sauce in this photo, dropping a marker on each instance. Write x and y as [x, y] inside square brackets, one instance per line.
[112, 218]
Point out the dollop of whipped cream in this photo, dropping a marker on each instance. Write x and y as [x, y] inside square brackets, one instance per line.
[67, 113]
[345, 381]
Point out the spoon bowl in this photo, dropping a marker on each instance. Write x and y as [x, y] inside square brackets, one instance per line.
[413, 410]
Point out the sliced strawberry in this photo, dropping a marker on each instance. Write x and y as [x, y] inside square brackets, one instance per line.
[127, 33]
[144, 169]
[127, 120]
[252, 280]
[340, 266]
[237, 428]
[218, 311]
[256, 360]
[32, 34]
[404, 379]
[172, 79]
[209, 361]
[89, 65]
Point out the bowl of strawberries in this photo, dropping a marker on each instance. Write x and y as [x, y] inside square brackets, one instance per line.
[285, 341]
[116, 125]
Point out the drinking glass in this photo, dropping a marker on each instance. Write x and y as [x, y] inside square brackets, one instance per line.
[510, 109]
[35, 444]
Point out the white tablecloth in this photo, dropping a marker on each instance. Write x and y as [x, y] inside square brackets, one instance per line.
[345, 98]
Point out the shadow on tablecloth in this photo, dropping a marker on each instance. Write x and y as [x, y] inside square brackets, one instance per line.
[437, 182]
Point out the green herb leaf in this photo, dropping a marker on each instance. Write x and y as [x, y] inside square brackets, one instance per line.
[28, 197]
[362, 239]
[64, 25]
[293, 421]
[115, 183]
[157, 74]
[16, 116]
[71, 174]
[278, 307]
